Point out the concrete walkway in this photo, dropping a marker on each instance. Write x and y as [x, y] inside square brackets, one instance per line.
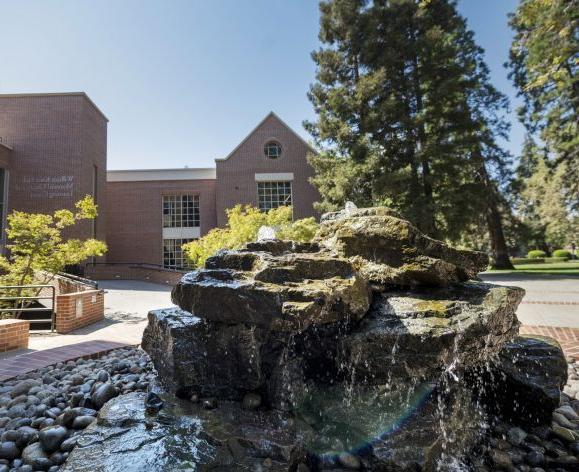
[551, 300]
[127, 303]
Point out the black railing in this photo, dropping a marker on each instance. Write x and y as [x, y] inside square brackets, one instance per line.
[25, 300]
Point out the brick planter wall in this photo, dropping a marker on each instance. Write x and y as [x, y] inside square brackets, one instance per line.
[133, 272]
[75, 310]
[13, 334]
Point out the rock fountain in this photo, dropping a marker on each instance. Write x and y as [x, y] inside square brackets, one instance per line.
[373, 347]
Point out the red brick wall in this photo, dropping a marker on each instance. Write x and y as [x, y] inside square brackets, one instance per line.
[75, 310]
[56, 141]
[130, 272]
[236, 175]
[134, 216]
[13, 334]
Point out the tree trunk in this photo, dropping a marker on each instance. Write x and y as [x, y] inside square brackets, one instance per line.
[428, 224]
[500, 253]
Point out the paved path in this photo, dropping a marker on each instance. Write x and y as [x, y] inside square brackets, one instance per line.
[551, 300]
[127, 303]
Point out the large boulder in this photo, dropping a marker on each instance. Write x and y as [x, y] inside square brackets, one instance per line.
[523, 383]
[191, 354]
[389, 250]
[263, 286]
[422, 333]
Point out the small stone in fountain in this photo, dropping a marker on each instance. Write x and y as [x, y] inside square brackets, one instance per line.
[194, 398]
[251, 401]
[516, 436]
[209, 403]
[153, 402]
[349, 461]
[265, 233]
[267, 463]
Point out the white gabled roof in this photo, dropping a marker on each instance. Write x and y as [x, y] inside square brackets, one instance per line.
[140, 175]
[270, 114]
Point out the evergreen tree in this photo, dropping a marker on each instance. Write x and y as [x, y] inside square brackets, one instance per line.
[407, 117]
[544, 61]
[542, 203]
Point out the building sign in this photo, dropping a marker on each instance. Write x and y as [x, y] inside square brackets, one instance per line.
[47, 187]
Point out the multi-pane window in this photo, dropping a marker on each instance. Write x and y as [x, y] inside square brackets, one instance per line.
[274, 194]
[173, 253]
[180, 211]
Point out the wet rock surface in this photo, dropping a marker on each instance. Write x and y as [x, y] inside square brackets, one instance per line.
[389, 250]
[418, 334]
[371, 338]
[533, 371]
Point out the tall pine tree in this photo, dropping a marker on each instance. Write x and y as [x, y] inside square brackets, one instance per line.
[407, 117]
[544, 61]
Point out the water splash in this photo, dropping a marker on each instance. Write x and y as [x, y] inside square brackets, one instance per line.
[266, 233]
[349, 208]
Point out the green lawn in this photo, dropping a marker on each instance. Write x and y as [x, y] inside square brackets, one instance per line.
[564, 268]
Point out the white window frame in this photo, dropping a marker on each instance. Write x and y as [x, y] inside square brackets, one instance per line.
[177, 211]
[178, 245]
[262, 184]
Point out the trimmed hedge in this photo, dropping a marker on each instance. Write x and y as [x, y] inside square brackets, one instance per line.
[536, 254]
[537, 260]
[526, 260]
[563, 253]
[556, 259]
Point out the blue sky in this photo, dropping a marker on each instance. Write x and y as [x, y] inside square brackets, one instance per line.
[183, 81]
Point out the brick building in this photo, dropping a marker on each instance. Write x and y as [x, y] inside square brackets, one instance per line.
[53, 152]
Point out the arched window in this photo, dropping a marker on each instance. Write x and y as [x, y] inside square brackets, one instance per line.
[272, 149]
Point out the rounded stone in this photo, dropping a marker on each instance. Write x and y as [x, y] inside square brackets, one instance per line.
[103, 376]
[516, 436]
[209, 403]
[52, 437]
[251, 401]
[501, 459]
[349, 461]
[9, 450]
[103, 394]
[23, 387]
[535, 458]
[68, 444]
[81, 422]
[56, 458]
[32, 453]
[563, 433]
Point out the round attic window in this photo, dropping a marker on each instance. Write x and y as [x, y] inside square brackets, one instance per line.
[272, 149]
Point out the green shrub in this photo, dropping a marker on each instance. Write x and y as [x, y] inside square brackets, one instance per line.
[562, 253]
[536, 254]
[243, 223]
[525, 260]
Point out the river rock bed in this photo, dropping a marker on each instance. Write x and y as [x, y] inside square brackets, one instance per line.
[38, 438]
[43, 412]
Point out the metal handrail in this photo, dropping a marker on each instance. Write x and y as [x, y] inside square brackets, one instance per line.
[28, 297]
[141, 265]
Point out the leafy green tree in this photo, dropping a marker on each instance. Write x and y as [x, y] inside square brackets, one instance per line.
[544, 61]
[544, 207]
[407, 117]
[38, 249]
[243, 223]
